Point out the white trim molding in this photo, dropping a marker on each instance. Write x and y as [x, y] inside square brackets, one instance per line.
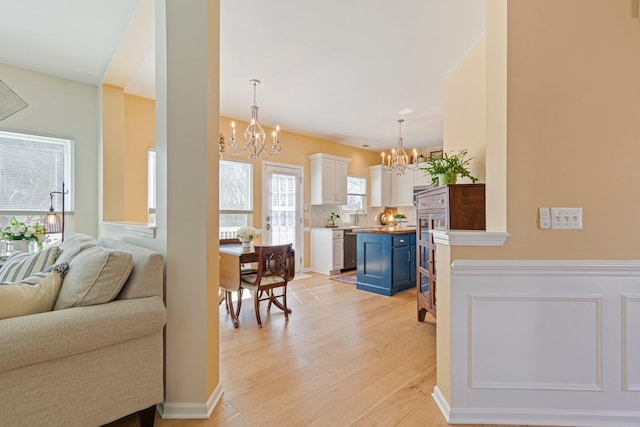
[546, 342]
[130, 228]
[190, 411]
[469, 237]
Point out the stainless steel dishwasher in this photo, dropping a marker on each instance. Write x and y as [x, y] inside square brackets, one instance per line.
[350, 250]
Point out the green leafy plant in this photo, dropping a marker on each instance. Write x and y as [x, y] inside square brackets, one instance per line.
[450, 164]
[333, 216]
[399, 216]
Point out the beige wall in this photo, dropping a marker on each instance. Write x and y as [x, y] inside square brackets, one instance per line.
[128, 132]
[139, 125]
[465, 104]
[113, 153]
[572, 123]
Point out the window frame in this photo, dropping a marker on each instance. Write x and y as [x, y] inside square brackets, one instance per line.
[225, 232]
[68, 175]
[345, 209]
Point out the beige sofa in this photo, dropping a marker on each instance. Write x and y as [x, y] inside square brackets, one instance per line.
[89, 365]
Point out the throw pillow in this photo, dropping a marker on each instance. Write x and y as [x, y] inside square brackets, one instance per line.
[22, 264]
[95, 276]
[75, 244]
[35, 294]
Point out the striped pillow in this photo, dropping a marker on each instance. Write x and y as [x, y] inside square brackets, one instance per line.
[21, 264]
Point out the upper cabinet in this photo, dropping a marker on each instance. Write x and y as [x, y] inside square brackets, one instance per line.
[328, 179]
[421, 178]
[380, 187]
[389, 189]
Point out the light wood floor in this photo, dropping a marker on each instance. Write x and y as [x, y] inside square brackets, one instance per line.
[345, 358]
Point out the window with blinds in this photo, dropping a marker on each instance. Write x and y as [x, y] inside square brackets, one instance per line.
[32, 166]
[235, 196]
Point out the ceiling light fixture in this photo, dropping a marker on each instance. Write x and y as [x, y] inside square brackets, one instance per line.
[254, 135]
[398, 161]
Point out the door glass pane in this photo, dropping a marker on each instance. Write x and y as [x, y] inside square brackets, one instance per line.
[424, 284]
[283, 209]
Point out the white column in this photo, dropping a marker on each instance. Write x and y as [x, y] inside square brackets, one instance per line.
[187, 116]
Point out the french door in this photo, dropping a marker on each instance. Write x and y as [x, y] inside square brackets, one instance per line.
[282, 207]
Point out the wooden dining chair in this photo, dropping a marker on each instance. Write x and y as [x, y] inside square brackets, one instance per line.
[275, 267]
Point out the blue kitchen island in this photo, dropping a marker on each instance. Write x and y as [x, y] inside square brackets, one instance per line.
[386, 260]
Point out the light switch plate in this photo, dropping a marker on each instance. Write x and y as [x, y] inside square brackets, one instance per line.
[566, 218]
[545, 218]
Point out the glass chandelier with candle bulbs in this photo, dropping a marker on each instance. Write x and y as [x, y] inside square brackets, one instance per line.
[398, 161]
[254, 135]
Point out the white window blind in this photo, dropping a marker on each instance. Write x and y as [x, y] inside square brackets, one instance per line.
[30, 168]
[236, 196]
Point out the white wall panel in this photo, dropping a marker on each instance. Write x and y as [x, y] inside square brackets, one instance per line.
[630, 342]
[535, 342]
[544, 342]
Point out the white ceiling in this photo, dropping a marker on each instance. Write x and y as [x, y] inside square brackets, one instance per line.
[336, 69]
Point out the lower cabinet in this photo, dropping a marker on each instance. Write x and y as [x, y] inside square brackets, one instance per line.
[327, 250]
[386, 262]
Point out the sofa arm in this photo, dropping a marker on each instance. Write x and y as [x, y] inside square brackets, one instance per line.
[40, 337]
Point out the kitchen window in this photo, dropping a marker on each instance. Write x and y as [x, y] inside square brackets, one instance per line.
[356, 194]
[236, 196]
[32, 166]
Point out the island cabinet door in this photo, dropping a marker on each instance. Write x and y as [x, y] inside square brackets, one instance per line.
[374, 263]
[401, 266]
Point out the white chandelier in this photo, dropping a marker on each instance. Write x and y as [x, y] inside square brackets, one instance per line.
[398, 161]
[254, 135]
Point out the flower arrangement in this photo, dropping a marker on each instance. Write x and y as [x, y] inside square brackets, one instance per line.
[247, 233]
[21, 231]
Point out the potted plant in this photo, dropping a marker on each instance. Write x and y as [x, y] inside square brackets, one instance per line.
[446, 169]
[332, 219]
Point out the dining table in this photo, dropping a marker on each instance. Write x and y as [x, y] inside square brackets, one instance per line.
[236, 260]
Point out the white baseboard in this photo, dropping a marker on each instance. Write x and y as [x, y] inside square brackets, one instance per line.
[442, 403]
[190, 411]
[544, 417]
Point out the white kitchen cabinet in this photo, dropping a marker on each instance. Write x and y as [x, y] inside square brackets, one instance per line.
[380, 187]
[327, 250]
[328, 179]
[402, 189]
[421, 178]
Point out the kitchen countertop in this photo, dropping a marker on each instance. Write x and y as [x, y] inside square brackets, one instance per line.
[386, 230]
[381, 229]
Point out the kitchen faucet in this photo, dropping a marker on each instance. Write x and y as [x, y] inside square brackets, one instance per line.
[363, 214]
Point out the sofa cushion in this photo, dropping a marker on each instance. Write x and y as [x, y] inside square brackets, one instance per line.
[34, 294]
[75, 244]
[95, 276]
[22, 264]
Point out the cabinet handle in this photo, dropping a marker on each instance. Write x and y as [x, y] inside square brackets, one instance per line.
[440, 201]
[401, 240]
[409, 256]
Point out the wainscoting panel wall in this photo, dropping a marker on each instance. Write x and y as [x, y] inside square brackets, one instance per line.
[544, 342]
